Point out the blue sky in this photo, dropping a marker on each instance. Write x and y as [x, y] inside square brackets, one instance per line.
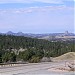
[37, 16]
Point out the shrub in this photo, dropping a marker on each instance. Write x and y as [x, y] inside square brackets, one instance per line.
[34, 59]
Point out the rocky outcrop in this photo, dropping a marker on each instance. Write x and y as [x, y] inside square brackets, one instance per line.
[72, 66]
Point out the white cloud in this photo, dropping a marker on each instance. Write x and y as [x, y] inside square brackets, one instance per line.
[30, 1]
[14, 1]
[49, 1]
[35, 9]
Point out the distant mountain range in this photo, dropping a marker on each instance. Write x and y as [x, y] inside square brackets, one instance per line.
[48, 36]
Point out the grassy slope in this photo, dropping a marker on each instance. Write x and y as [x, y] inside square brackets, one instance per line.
[67, 56]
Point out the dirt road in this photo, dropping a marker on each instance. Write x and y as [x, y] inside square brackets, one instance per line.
[31, 69]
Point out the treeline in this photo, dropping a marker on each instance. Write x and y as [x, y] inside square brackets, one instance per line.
[20, 48]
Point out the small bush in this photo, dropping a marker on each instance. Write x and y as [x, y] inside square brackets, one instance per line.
[34, 59]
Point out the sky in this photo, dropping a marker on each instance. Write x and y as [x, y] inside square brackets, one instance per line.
[37, 16]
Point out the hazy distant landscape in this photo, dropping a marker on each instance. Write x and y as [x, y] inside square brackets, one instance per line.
[47, 36]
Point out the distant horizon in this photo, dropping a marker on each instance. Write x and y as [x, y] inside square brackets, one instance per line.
[36, 33]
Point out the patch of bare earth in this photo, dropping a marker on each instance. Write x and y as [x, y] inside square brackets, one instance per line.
[68, 65]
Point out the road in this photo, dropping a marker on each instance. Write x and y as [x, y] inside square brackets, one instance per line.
[31, 69]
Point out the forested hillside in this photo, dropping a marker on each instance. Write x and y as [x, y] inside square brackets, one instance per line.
[20, 48]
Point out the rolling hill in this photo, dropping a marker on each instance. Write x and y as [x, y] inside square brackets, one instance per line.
[66, 56]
